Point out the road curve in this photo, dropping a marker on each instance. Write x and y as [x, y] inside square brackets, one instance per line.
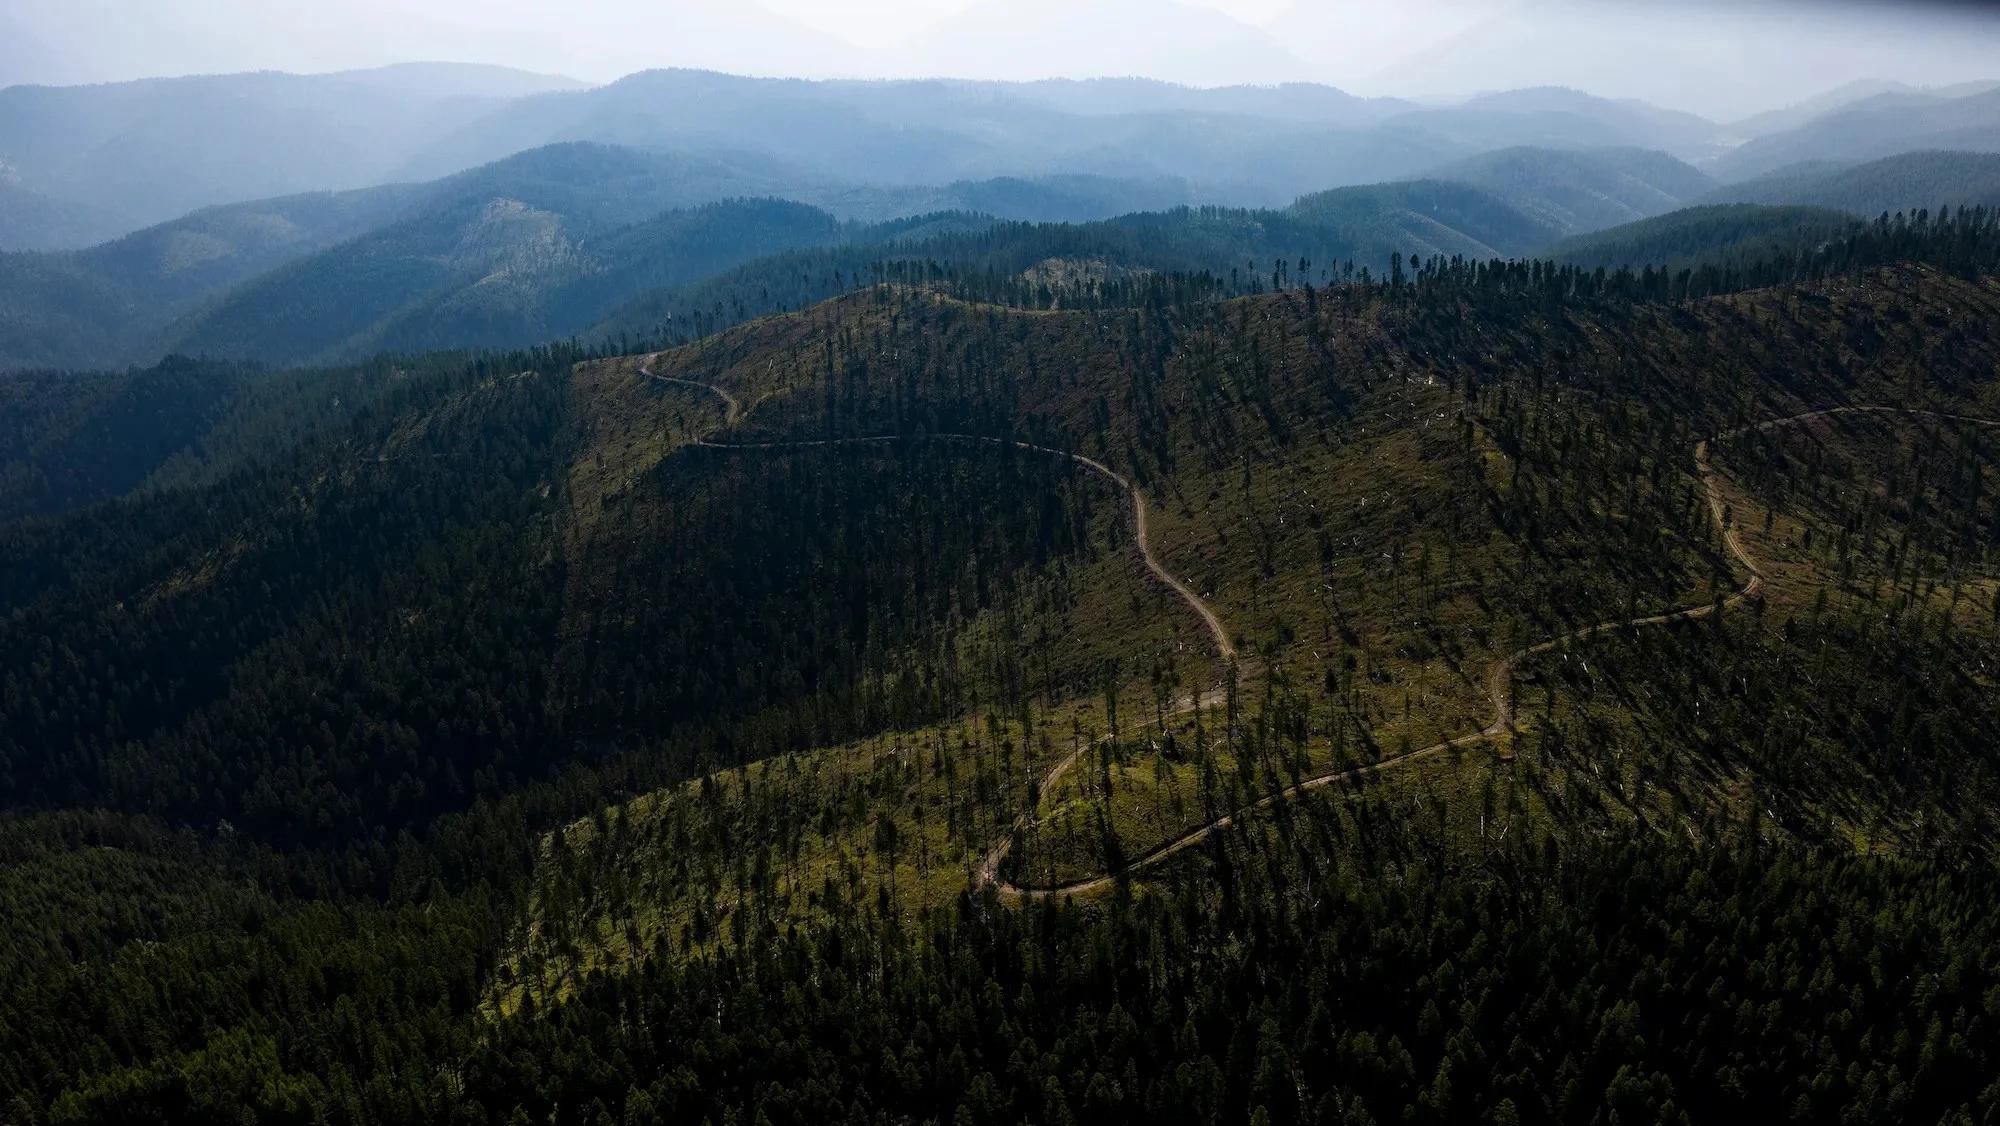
[1499, 681]
[1499, 676]
[1224, 647]
[733, 410]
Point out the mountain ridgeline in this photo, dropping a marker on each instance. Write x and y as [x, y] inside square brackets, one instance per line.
[303, 260]
[1721, 234]
[500, 209]
[588, 242]
[1868, 189]
[554, 242]
[983, 603]
[84, 165]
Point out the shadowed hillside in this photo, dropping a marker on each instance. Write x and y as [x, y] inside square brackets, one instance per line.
[1199, 666]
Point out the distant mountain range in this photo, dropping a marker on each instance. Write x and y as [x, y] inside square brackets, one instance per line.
[1572, 191]
[1714, 57]
[1799, 113]
[1034, 39]
[1896, 183]
[560, 239]
[470, 206]
[139, 153]
[1708, 56]
[333, 257]
[579, 239]
[85, 164]
[1236, 146]
[30, 220]
[1878, 126]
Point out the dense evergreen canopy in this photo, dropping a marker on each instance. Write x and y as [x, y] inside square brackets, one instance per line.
[534, 737]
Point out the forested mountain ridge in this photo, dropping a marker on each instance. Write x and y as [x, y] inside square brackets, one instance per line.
[108, 305]
[870, 137]
[601, 159]
[168, 287]
[939, 131]
[1876, 127]
[1706, 235]
[574, 240]
[1579, 191]
[499, 273]
[1896, 183]
[1803, 112]
[30, 220]
[144, 152]
[582, 231]
[88, 163]
[1215, 251]
[1421, 218]
[535, 735]
[1560, 117]
[136, 298]
[69, 442]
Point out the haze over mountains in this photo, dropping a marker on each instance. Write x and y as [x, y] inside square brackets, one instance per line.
[132, 154]
[1130, 562]
[442, 206]
[1724, 61]
[79, 165]
[298, 218]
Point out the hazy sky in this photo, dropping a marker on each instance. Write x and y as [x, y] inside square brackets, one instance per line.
[1724, 60]
[882, 23]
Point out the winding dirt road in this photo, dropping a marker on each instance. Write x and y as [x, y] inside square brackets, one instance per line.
[1499, 676]
[733, 410]
[1224, 647]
